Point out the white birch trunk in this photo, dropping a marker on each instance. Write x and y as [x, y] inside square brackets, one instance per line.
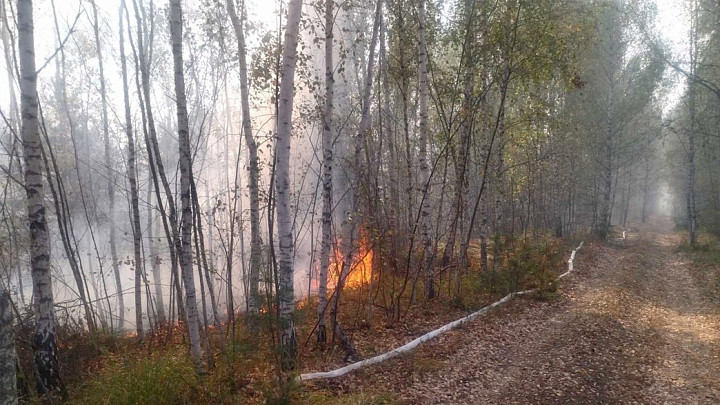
[256, 260]
[185, 173]
[425, 227]
[132, 179]
[157, 168]
[43, 340]
[286, 293]
[458, 205]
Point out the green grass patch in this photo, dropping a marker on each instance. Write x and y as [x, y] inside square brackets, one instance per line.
[165, 378]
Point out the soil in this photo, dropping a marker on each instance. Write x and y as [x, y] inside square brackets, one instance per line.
[632, 325]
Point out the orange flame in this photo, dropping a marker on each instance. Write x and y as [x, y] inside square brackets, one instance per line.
[360, 273]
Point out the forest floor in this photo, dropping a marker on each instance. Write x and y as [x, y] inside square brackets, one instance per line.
[638, 322]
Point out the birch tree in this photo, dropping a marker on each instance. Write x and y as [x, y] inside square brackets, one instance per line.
[253, 163]
[110, 182]
[64, 106]
[193, 323]
[131, 170]
[458, 205]
[691, 196]
[286, 290]
[327, 166]
[143, 58]
[43, 339]
[620, 87]
[425, 227]
[350, 204]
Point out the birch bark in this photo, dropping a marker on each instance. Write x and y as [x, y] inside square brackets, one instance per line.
[425, 228]
[143, 61]
[256, 261]
[286, 291]
[185, 173]
[43, 339]
[131, 171]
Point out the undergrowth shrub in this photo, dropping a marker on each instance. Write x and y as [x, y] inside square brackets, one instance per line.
[524, 264]
[166, 378]
[537, 265]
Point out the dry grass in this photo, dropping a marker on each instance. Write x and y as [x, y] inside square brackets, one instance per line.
[118, 370]
[633, 325]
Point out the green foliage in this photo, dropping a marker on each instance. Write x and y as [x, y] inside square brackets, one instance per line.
[524, 265]
[536, 264]
[165, 378]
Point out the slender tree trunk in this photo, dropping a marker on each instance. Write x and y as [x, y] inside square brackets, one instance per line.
[605, 205]
[458, 203]
[203, 256]
[43, 340]
[691, 198]
[286, 294]
[485, 156]
[614, 193]
[349, 203]
[132, 179]
[425, 227]
[108, 168]
[169, 218]
[404, 94]
[155, 259]
[484, 227]
[210, 206]
[626, 202]
[8, 380]
[231, 246]
[256, 260]
[479, 200]
[60, 88]
[646, 183]
[65, 229]
[392, 163]
[185, 173]
[498, 174]
[327, 177]
[556, 189]
[206, 325]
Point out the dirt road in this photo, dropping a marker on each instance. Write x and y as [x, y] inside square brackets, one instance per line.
[632, 326]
